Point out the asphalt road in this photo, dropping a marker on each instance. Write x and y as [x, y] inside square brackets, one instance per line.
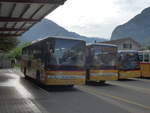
[18, 95]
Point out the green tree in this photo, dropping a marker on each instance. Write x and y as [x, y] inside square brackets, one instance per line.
[17, 52]
[8, 43]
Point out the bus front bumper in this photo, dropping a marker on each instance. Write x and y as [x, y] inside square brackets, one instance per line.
[100, 75]
[65, 78]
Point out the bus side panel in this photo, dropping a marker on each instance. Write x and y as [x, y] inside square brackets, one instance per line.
[26, 69]
[129, 74]
[145, 69]
[23, 65]
[98, 75]
[31, 70]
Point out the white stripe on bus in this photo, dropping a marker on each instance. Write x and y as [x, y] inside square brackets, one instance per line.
[104, 74]
[65, 77]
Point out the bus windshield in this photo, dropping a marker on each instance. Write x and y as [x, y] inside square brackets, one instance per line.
[128, 60]
[103, 56]
[67, 53]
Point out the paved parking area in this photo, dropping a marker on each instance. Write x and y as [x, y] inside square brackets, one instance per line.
[18, 95]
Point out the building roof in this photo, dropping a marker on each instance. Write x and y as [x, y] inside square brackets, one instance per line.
[17, 16]
[128, 51]
[118, 41]
[56, 37]
[101, 44]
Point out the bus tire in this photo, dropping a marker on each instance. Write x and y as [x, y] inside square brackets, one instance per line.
[38, 76]
[24, 72]
[87, 74]
[102, 82]
[70, 86]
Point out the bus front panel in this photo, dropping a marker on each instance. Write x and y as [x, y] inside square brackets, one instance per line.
[65, 77]
[65, 63]
[97, 75]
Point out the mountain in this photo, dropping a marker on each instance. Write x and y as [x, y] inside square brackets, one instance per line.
[138, 28]
[49, 28]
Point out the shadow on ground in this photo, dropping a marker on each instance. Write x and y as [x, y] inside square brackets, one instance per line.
[126, 80]
[99, 84]
[69, 88]
[60, 88]
[146, 78]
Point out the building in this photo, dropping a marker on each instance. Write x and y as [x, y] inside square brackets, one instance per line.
[125, 44]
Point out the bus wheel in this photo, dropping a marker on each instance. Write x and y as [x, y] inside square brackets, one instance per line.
[102, 82]
[38, 76]
[70, 86]
[24, 72]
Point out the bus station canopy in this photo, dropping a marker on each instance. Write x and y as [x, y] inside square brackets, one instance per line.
[17, 16]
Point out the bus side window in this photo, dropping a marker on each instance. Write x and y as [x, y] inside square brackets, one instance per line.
[141, 57]
[146, 57]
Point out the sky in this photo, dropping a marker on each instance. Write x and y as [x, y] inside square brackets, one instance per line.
[96, 18]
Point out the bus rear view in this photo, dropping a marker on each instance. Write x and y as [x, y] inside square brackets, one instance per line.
[57, 61]
[129, 64]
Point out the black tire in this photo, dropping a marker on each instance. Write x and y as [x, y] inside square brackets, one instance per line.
[38, 76]
[24, 72]
[87, 74]
[118, 76]
[70, 86]
[102, 82]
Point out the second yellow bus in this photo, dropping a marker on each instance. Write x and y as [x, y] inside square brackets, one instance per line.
[101, 62]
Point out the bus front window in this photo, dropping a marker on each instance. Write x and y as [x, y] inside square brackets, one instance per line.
[68, 53]
[129, 61]
[103, 57]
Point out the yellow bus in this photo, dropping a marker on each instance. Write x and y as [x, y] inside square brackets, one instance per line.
[101, 62]
[128, 64]
[55, 61]
[145, 63]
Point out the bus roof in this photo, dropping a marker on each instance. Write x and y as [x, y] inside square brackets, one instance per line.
[55, 37]
[133, 51]
[101, 44]
[51, 37]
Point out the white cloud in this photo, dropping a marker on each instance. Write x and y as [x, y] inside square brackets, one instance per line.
[96, 17]
[93, 30]
[83, 11]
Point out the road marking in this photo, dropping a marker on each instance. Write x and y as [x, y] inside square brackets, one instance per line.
[140, 89]
[96, 93]
[125, 107]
